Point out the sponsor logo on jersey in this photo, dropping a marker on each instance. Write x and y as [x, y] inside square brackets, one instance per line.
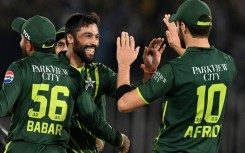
[9, 77]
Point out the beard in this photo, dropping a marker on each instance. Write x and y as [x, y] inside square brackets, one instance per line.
[181, 37]
[80, 50]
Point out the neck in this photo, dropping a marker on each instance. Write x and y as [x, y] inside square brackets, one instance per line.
[74, 59]
[196, 42]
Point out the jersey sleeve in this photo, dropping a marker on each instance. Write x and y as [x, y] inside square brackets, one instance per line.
[158, 85]
[92, 118]
[111, 83]
[11, 88]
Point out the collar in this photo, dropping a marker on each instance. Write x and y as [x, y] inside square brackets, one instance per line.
[200, 49]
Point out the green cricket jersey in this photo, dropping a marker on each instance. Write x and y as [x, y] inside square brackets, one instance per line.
[40, 90]
[99, 81]
[195, 88]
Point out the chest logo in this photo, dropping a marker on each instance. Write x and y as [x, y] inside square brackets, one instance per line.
[89, 83]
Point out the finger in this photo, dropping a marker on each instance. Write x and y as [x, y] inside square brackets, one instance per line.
[162, 48]
[165, 19]
[123, 38]
[171, 26]
[118, 42]
[152, 43]
[137, 50]
[126, 39]
[158, 43]
[132, 42]
[145, 52]
[169, 36]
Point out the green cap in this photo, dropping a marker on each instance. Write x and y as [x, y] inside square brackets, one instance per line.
[60, 34]
[38, 30]
[190, 11]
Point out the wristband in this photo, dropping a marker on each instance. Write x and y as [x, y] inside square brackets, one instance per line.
[142, 66]
[122, 90]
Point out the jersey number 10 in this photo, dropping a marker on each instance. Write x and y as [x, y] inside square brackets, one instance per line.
[201, 93]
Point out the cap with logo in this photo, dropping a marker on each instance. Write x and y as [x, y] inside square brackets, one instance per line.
[190, 11]
[60, 33]
[38, 30]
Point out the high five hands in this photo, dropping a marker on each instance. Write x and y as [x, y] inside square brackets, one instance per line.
[127, 53]
[152, 54]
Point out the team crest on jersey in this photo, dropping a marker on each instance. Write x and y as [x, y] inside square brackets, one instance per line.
[89, 83]
[9, 77]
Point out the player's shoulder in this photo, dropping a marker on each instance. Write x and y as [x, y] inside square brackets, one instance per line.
[98, 65]
[225, 55]
[101, 68]
[20, 62]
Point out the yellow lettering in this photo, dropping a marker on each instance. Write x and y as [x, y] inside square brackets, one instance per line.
[215, 130]
[51, 129]
[30, 126]
[197, 130]
[58, 130]
[206, 131]
[37, 127]
[203, 131]
[44, 127]
[189, 132]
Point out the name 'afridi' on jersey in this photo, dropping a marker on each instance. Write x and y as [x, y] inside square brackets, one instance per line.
[195, 88]
[41, 91]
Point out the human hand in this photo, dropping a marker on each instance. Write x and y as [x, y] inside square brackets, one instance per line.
[126, 144]
[152, 54]
[99, 145]
[173, 36]
[126, 51]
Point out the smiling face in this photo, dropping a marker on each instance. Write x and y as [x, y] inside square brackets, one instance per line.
[86, 42]
[60, 46]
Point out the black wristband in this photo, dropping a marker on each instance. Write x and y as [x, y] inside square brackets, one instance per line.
[122, 90]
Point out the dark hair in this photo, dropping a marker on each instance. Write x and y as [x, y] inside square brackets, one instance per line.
[78, 20]
[200, 31]
[45, 50]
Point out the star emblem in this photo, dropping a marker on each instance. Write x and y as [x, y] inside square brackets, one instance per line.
[89, 83]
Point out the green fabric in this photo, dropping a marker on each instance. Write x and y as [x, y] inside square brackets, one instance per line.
[195, 96]
[26, 147]
[190, 11]
[40, 90]
[37, 29]
[99, 81]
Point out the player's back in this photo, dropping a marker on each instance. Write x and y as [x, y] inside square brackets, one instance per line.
[46, 88]
[194, 108]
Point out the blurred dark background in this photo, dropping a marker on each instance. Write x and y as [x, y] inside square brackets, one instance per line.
[143, 20]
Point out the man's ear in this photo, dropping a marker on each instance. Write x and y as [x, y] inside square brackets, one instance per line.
[69, 38]
[183, 27]
[28, 45]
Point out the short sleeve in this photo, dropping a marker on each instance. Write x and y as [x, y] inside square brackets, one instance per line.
[158, 85]
[11, 88]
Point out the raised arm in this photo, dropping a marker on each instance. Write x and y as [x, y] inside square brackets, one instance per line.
[173, 36]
